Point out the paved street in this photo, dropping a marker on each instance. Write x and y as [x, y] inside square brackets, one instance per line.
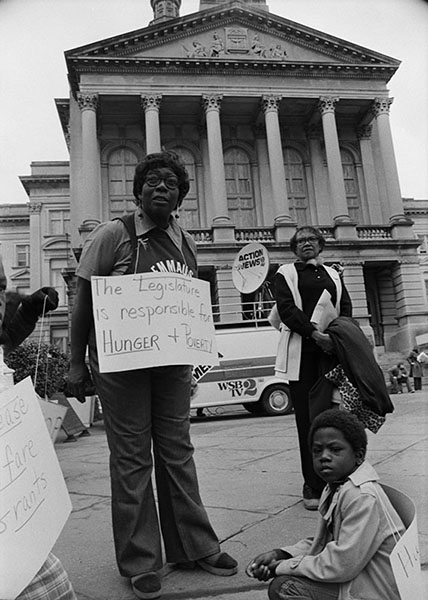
[250, 482]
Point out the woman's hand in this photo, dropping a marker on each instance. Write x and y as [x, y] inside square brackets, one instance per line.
[323, 340]
[79, 383]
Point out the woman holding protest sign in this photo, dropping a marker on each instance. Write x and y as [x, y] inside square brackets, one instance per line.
[149, 405]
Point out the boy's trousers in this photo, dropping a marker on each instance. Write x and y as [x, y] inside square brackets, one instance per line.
[141, 408]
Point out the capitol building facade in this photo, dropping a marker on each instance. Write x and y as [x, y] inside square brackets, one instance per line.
[279, 125]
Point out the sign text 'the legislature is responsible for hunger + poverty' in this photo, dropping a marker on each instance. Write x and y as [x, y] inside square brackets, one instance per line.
[152, 319]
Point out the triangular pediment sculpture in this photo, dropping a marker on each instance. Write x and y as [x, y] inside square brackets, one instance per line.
[232, 34]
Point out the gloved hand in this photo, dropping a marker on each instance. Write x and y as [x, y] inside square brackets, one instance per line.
[36, 301]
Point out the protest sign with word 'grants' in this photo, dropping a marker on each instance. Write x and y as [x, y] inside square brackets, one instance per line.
[152, 319]
[34, 501]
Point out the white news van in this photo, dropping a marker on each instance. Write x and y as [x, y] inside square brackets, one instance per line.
[246, 374]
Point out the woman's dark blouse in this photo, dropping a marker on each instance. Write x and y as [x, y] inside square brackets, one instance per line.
[312, 281]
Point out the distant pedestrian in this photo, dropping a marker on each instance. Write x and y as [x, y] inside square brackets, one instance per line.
[416, 369]
[357, 526]
[404, 377]
[398, 375]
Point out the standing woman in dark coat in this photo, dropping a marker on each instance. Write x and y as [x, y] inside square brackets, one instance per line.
[297, 289]
[416, 369]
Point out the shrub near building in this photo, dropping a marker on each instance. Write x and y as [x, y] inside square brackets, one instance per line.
[50, 364]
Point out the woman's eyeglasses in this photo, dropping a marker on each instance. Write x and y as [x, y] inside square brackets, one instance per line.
[170, 182]
[302, 241]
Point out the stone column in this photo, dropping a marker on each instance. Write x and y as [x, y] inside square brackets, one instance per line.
[209, 208]
[90, 203]
[263, 181]
[410, 303]
[364, 135]
[223, 227]
[317, 183]
[380, 109]
[270, 105]
[39, 269]
[202, 205]
[35, 209]
[151, 105]
[344, 228]
[353, 278]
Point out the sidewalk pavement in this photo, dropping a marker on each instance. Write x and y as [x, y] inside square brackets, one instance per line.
[250, 482]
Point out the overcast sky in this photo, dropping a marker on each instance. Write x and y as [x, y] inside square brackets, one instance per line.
[34, 34]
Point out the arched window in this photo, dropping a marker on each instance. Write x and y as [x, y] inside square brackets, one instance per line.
[239, 188]
[296, 186]
[351, 185]
[189, 211]
[121, 169]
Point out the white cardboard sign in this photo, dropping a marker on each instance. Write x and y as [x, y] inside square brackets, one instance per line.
[406, 564]
[54, 416]
[405, 557]
[152, 319]
[34, 501]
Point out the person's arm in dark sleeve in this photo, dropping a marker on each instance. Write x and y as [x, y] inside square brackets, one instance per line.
[345, 303]
[294, 318]
[24, 320]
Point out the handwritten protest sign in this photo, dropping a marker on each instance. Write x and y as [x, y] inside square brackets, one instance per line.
[405, 557]
[152, 319]
[54, 417]
[406, 565]
[34, 501]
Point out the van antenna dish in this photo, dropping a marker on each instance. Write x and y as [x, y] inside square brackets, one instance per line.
[250, 268]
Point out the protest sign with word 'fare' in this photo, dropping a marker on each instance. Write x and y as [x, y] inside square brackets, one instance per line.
[34, 501]
[152, 319]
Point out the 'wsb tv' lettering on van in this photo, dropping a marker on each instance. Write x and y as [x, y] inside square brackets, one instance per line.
[245, 375]
[240, 387]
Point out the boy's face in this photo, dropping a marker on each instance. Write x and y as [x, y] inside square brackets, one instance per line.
[333, 456]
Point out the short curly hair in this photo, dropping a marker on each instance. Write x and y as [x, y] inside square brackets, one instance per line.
[346, 422]
[160, 160]
[314, 231]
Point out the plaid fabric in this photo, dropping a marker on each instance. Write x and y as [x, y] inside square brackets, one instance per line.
[50, 583]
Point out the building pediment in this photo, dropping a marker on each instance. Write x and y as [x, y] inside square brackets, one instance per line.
[230, 36]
